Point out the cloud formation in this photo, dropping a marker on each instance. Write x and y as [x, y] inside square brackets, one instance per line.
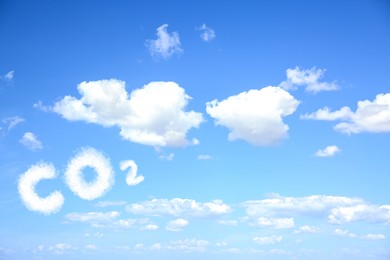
[176, 225]
[26, 187]
[13, 121]
[276, 223]
[166, 44]
[270, 240]
[30, 141]
[179, 208]
[153, 115]
[255, 116]
[89, 157]
[131, 179]
[204, 157]
[8, 77]
[336, 209]
[207, 34]
[328, 151]
[370, 116]
[308, 78]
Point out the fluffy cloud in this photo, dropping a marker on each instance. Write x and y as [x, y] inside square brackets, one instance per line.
[179, 207]
[153, 115]
[370, 116]
[151, 227]
[276, 223]
[166, 45]
[131, 179]
[308, 78]
[374, 237]
[207, 34]
[89, 157]
[335, 209]
[328, 151]
[30, 141]
[26, 187]
[176, 225]
[255, 116]
[271, 240]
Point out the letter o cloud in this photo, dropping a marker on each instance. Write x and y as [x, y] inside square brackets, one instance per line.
[89, 157]
[26, 188]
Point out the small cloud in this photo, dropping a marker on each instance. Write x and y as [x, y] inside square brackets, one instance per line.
[26, 187]
[30, 141]
[167, 157]
[8, 77]
[344, 233]
[204, 157]
[271, 240]
[374, 237]
[166, 45]
[90, 247]
[276, 223]
[307, 229]
[176, 225]
[309, 78]
[13, 121]
[329, 151]
[207, 34]
[89, 157]
[150, 227]
[104, 204]
[231, 222]
[131, 179]
[39, 105]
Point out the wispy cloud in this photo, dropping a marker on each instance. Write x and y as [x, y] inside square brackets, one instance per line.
[13, 121]
[104, 204]
[270, 240]
[308, 78]
[255, 116]
[8, 77]
[207, 34]
[30, 141]
[204, 157]
[328, 151]
[89, 157]
[370, 116]
[26, 187]
[166, 44]
[179, 207]
[153, 115]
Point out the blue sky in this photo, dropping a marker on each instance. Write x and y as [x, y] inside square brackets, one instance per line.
[194, 130]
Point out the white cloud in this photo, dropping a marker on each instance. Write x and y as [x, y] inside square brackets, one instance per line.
[9, 76]
[179, 207]
[270, 240]
[104, 204]
[166, 45]
[39, 105]
[176, 225]
[309, 78]
[188, 245]
[255, 116]
[335, 209]
[328, 151]
[90, 247]
[307, 229]
[156, 246]
[230, 222]
[204, 157]
[370, 116]
[26, 187]
[207, 34]
[61, 247]
[360, 212]
[374, 237]
[131, 179]
[102, 219]
[30, 141]
[13, 121]
[153, 115]
[344, 233]
[151, 227]
[89, 157]
[277, 223]
[167, 157]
